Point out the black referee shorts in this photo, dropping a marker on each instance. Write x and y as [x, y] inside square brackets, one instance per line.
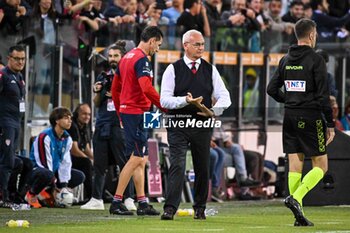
[304, 132]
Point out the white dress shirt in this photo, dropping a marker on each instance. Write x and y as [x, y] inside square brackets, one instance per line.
[169, 101]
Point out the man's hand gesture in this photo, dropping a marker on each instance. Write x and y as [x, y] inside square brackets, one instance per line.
[198, 103]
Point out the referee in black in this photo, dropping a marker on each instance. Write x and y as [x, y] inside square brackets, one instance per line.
[308, 125]
[189, 88]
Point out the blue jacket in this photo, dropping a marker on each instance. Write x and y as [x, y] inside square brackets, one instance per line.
[12, 91]
[53, 153]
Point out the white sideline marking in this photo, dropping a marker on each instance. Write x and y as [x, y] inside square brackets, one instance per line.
[187, 230]
[332, 232]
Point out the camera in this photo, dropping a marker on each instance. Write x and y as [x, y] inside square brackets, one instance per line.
[107, 83]
[244, 12]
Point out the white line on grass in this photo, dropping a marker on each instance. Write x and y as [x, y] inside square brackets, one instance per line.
[187, 230]
[332, 232]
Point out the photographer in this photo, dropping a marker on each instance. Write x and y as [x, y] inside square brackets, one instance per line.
[108, 139]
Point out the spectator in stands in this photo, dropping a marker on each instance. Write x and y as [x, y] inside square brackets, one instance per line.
[116, 13]
[338, 8]
[255, 39]
[330, 79]
[117, 8]
[13, 15]
[237, 37]
[173, 13]
[131, 9]
[51, 158]
[335, 111]
[217, 160]
[88, 16]
[194, 17]
[81, 152]
[12, 92]
[345, 120]
[296, 12]
[273, 35]
[155, 17]
[43, 23]
[308, 12]
[240, 163]
[109, 144]
[215, 20]
[328, 27]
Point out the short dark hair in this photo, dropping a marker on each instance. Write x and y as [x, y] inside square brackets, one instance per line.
[307, 6]
[119, 45]
[303, 28]
[189, 3]
[315, 3]
[57, 114]
[19, 48]
[296, 3]
[151, 32]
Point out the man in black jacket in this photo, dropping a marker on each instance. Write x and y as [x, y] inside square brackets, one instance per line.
[303, 74]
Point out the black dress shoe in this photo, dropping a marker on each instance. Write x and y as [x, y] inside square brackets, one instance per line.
[168, 214]
[297, 210]
[119, 208]
[147, 209]
[199, 213]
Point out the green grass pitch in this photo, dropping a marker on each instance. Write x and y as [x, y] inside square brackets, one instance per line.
[234, 216]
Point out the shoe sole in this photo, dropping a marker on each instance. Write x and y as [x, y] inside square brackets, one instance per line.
[299, 217]
[143, 214]
[87, 208]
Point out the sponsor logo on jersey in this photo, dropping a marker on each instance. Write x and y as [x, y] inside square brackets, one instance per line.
[294, 67]
[295, 85]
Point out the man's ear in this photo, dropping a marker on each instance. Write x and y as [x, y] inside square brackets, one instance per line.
[312, 36]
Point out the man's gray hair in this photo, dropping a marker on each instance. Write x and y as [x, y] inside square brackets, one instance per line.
[188, 34]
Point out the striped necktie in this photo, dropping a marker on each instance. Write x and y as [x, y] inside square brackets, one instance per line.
[193, 68]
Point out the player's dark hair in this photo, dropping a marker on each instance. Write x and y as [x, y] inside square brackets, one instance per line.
[189, 3]
[303, 28]
[18, 48]
[151, 32]
[315, 3]
[296, 3]
[57, 114]
[119, 45]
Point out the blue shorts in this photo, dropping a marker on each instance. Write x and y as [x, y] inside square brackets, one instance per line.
[135, 135]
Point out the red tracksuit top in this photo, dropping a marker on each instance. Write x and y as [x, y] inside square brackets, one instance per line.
[132, 90]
